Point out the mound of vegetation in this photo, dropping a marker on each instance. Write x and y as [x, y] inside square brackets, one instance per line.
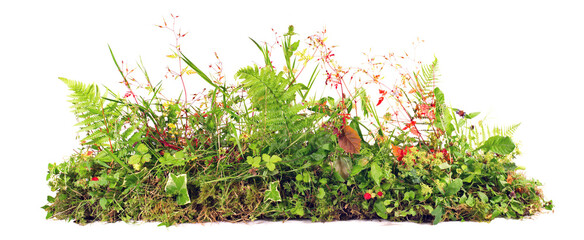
[265, 147]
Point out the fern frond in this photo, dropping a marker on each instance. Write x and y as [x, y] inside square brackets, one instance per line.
[426, 79]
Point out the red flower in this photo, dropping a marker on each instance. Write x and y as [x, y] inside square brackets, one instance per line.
[367, 196]
[380, 194]
[94, 179]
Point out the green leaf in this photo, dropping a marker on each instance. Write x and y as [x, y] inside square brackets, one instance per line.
[380, 208]
[142, 148]
[471, 115]
[146, 158]
[270, 161]
[444, 165]
[453, 187]
[295, 46]
[516, 207]
[437, 213]
[103, 202]
[439, 96]
[177, 185]
[410, 195]
[376, 173]
[321, 193]
[272, 194]
[483, 197]
[135, 159]
[499, 145]
[254, 162]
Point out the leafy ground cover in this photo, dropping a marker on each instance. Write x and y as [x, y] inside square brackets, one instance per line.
[267, 147]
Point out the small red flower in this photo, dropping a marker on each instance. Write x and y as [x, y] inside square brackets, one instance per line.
[94, 179]
[367, 196]
[380, 194]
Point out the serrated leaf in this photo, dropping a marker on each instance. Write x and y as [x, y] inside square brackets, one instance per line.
[376, 173]
[349, 140]
[146, 158]
[272, 193]
[142, 148]
[135, 159]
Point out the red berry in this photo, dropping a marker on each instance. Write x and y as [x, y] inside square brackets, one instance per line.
[94, 179]
[379, 193]
[367, 196]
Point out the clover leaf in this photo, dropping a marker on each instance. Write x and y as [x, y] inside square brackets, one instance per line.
[270, 161]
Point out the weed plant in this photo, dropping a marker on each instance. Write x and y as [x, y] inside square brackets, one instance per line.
[266, 147]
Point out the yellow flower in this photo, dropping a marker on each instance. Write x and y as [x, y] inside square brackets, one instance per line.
[171, 125]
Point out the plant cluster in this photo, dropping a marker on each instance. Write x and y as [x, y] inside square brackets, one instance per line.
[266, 147]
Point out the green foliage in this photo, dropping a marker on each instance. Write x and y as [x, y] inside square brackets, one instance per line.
[177, 185]
[263, 149]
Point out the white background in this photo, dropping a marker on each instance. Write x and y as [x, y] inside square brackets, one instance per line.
[519, 61]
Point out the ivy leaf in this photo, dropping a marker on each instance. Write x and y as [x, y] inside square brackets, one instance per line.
[177, 185]
[349, 140]
[272, 194]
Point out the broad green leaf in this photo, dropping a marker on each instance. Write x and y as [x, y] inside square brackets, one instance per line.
[380, 209]
[321, 193]
[135, 159]
[410, 195]
[299, 177]
[145, 158]
[471, 115]
[376, 173]
[444, 165]
[439, 96]
[142, 148]
[483, 197]
[516, 207]
[103, 202]
[470, 201]
[295, 46]
[437, 213]
[499, 145]
[272, 194]
[453, 187]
